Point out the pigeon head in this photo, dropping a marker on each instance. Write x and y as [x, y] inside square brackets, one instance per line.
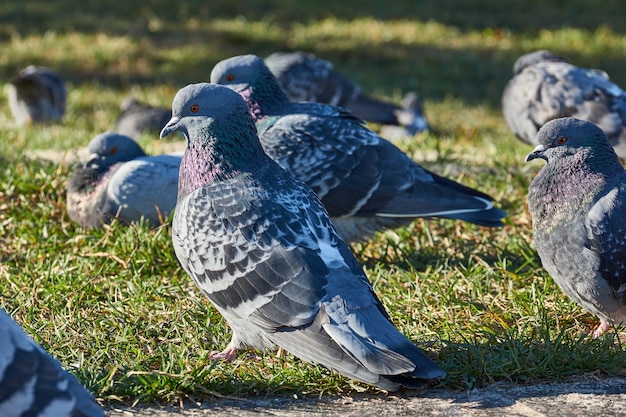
[249, 76]
[109, 148]
[221, 135]
[533, 58]
[566, 137]
[216, 118]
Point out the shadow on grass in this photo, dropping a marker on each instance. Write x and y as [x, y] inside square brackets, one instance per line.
[475, 75]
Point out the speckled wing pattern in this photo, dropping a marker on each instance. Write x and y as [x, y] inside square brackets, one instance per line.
[550, 90]
[305, 77]
[32, 383]
[607, 237]
[269, 259]
[355, 172]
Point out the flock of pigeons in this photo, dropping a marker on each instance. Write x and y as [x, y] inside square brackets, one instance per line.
[280, 173]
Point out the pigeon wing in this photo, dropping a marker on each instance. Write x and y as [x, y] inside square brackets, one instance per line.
[607, 238]
[144, 187]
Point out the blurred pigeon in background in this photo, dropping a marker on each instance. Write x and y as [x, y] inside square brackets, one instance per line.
[364, 181]
[546, 86]
[305, 77]
[262, 248]
[578, 207]
[37, 95]
[136, 117]
[32, 383]
[121, 181]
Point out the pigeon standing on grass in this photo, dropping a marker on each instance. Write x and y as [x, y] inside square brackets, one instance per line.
[305, 77]
[37, 95]
[121, 181]
[34, 384]
[260, 245]
[546, 87]
[364, 181]
[578, 207]
[136, 118]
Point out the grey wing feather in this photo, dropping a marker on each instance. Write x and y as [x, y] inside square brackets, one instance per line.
[551, 90]
[282, 270]
[356, 173]
[33, 383]
[607, 238]
[144, 187]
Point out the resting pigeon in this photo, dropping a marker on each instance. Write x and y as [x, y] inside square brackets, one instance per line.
[260, 245]
[578, 207]
[32, 383]
[546, 87]
[37, 95]
[120, 181]
[364, 181]
[305, 77]
[137, 117]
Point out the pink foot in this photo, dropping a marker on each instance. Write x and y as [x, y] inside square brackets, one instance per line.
[228, 354]
[599, 331]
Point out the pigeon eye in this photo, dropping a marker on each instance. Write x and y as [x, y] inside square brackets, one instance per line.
[113, 150]
[230, 77]
[194, 108]
[561, 140]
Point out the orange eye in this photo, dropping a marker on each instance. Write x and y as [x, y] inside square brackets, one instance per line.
[561, 140]
[194, 108]
[230, 77]
[113, 150]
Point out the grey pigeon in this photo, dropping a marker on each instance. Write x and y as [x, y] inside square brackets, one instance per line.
[546, 86]
[136, 117]
[37, 95]
[121, 181]
[263, 249]
[305, 77]
[365, 182]
[34, 384]
[578, 207]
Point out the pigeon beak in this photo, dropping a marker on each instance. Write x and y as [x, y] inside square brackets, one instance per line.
[538, 152]
[171, 126]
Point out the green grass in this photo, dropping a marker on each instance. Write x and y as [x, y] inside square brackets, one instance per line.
[115, 308]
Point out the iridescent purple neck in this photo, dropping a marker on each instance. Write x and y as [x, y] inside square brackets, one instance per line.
[198, 168]
[203, 164]
[264, 101]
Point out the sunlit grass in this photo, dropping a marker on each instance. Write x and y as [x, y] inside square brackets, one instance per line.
[115, 308]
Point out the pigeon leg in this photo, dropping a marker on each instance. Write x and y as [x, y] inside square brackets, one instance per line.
[602, 327]
[229, 354]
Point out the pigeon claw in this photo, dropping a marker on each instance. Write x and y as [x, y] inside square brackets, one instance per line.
[229, 354]
[599, 331]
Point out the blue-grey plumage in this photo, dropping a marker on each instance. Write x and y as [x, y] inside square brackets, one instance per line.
[578, 207]
[37, 95]
[34, 384]
[137, 117]
[261, 246]
[546, 87]
[364, 181]
[306, 77]
[121, 181]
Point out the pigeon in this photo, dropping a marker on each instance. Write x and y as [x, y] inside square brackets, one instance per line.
[37, 95]
[305, 77]
[411, 120]
[33, 383]
[365, 182]
[577, 202]
[121, 181]
[546, 87]
[136, 118]
[261, 246]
